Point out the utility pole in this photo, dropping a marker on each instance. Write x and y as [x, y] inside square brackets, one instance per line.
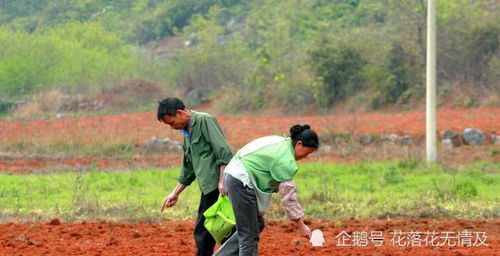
[430, 120]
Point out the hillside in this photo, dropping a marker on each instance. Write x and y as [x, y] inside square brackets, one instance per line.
[308, 55]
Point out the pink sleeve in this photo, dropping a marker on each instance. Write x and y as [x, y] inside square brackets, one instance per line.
[288, 195]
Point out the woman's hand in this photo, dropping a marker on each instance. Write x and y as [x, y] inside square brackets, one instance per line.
[303, 228]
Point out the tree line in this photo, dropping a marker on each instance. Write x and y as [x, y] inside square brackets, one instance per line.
[252, 54]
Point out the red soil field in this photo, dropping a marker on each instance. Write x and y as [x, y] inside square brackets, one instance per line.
[137, 128]
[43, 164]
[279, 238]
[175, 237]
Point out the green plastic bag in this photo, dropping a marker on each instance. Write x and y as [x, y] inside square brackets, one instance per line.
[219, 218]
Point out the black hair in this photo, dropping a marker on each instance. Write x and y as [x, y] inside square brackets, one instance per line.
[169, 106]
[305, 134]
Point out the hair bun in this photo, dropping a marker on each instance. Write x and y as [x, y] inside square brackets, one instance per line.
[297, 129]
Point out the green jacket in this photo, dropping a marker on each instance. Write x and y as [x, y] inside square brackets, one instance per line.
[205, 150]
[271, 162]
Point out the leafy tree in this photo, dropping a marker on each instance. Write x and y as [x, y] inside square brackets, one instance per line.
[337, 66]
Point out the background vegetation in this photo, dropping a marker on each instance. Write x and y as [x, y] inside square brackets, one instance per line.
[287, 53]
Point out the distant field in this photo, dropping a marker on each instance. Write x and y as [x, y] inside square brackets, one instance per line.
[111, 132]
[398, 189]
[110, 141]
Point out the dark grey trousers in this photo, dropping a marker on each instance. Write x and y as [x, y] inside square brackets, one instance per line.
[249, 223]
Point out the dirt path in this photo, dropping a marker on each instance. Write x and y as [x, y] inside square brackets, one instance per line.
[279, 238]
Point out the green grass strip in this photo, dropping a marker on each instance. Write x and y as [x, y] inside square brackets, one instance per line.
[405, 189]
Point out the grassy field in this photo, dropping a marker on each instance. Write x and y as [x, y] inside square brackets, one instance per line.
[367, 190]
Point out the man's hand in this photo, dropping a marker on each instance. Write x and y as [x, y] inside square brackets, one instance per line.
[169, 201]
[220, 185]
